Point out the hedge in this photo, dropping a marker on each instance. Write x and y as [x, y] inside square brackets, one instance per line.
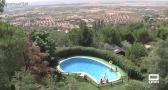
[125, 64]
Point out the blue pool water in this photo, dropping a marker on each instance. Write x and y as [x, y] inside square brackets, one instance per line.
[88, 65]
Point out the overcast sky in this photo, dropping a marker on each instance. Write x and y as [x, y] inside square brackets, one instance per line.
[52, 0]
[70, 1]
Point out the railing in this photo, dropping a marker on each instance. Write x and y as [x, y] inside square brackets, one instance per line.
[121, 80]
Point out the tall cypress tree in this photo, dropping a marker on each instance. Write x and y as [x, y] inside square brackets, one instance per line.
[86, 37]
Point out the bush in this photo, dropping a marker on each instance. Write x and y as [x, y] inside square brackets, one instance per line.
[127, 65]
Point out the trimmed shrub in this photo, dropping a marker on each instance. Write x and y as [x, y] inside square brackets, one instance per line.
[132, 70]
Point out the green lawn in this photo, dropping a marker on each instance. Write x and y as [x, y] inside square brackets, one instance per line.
[86, 85]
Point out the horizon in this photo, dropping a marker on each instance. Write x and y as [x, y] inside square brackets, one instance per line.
[33, 2]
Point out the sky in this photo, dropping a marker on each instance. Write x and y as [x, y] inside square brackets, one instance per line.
[69, 1]
[51, 0]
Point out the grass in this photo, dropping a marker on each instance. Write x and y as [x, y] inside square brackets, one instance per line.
[86, 85]
[82, 84]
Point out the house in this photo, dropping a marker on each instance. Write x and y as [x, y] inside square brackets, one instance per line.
[116, 49]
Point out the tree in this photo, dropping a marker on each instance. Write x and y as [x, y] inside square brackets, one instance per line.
[137, 32]
[98, 25]
[150, 22]
[2, 4]
[134, 26]
[53, 84]
[111, 36]
[98, 40]
[163, 84]
[128, 35]
[38, 66]
[86, 37]
[41, 38]
[12, 47]
[157, 62]
[136, 85]
[59, 38]
[163, 32]
[74, 36]
[24, 80]
[82, 36]
[163, 62]
[135, 52]
[128, 31]
[143, 35]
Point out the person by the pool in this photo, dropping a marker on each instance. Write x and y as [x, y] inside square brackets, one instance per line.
[104, 79]
[116, 69]
[111, 69]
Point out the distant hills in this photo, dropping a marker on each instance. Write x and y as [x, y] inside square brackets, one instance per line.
[21, 4]
[122, 2]
[151, 2]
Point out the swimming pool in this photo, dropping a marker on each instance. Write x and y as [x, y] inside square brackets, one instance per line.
[89, 66]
